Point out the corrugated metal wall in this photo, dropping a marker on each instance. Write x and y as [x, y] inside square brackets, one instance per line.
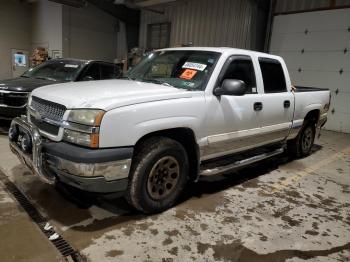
[298, 5]
[206, 23]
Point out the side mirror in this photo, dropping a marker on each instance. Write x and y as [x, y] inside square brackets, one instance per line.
[231, 87]
[88, 78]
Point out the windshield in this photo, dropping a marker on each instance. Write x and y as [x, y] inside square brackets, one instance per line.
[55, 70]
[181, 69]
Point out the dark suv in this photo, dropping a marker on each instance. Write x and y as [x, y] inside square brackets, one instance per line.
[14, 92]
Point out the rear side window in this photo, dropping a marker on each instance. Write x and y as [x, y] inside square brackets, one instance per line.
[93, 71]
[273, 75]
[109, 71]
[242, 68]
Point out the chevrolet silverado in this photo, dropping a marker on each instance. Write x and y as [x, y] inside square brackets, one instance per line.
[179, 114]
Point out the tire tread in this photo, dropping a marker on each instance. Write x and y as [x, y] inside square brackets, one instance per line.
[143, 152]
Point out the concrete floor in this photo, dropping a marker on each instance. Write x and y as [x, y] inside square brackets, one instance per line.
[275, 211]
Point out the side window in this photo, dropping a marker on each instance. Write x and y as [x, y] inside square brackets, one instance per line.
[109, 71]
[242, 68]
[93, 71]
[273, 75]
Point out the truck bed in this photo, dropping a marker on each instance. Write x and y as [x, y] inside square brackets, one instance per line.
[309, 89]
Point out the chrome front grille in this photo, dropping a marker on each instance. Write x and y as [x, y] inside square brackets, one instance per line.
[48, 109]
[13, 99]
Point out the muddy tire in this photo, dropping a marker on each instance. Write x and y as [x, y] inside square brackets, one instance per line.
[302, 144]
[158, 175]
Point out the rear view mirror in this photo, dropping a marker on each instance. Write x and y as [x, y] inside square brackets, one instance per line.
[231, 87]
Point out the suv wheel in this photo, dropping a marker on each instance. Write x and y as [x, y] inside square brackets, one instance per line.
[158, 175]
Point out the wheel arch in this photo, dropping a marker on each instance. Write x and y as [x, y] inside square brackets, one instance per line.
[186, 137]
[313, 116]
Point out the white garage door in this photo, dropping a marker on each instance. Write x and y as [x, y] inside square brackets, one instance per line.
[316, 47]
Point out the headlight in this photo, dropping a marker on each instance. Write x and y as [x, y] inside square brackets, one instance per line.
[80, 138]
[82, 127]
[89, 117]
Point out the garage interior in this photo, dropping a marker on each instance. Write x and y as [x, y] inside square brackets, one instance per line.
[275, 210]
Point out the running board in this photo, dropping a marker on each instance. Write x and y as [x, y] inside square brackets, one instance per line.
[239, 164]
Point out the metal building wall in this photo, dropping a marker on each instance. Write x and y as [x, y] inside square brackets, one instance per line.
[207, 23]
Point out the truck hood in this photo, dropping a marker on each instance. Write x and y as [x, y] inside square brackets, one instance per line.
[23, 84]
[107, 94]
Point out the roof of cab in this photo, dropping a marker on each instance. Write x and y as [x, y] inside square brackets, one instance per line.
[79, 60]
[228, 50]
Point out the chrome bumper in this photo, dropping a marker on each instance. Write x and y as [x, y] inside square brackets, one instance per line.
[110, 171]
[33, 161]
[50, 167]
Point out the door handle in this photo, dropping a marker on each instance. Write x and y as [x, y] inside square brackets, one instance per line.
[286, 104]
[258, 106]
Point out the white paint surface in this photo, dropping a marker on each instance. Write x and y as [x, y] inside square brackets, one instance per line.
[143, 108]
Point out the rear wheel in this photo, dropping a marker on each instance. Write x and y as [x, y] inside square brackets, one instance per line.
[158, 175]
[302, 144]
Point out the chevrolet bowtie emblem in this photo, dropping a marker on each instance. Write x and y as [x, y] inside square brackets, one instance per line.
[38, 117]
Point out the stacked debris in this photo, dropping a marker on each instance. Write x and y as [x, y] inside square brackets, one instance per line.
[40, 55]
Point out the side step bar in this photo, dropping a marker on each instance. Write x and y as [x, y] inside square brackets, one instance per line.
[239, 164]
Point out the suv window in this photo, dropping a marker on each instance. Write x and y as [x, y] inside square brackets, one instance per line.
[56, 69]
[242, 68]
[273, 75]
[109, 71]
[93, 71]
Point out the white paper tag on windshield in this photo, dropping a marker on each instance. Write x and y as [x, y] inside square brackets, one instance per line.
[70, 65]
[195, 66]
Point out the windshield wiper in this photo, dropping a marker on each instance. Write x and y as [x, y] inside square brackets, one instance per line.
[127, 77]
[156, 81]
[46, 78]
[24, 76]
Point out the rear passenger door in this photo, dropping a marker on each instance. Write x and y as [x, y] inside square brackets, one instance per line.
[100, 71]
[275, 107]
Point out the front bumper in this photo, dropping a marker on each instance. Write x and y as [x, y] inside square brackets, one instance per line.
[11, 112]
[93, 170]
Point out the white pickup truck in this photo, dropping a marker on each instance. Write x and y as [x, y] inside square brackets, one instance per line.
[179, 114]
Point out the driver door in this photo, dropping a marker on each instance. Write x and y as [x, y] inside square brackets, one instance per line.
[232, 121]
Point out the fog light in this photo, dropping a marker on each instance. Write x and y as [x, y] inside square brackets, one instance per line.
[13, 133]
[26, 143]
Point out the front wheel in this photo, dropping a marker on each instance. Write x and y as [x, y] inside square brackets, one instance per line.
[158, 175]
[302, 144]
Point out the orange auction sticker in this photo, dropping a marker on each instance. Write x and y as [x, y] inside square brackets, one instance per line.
[188, 74]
